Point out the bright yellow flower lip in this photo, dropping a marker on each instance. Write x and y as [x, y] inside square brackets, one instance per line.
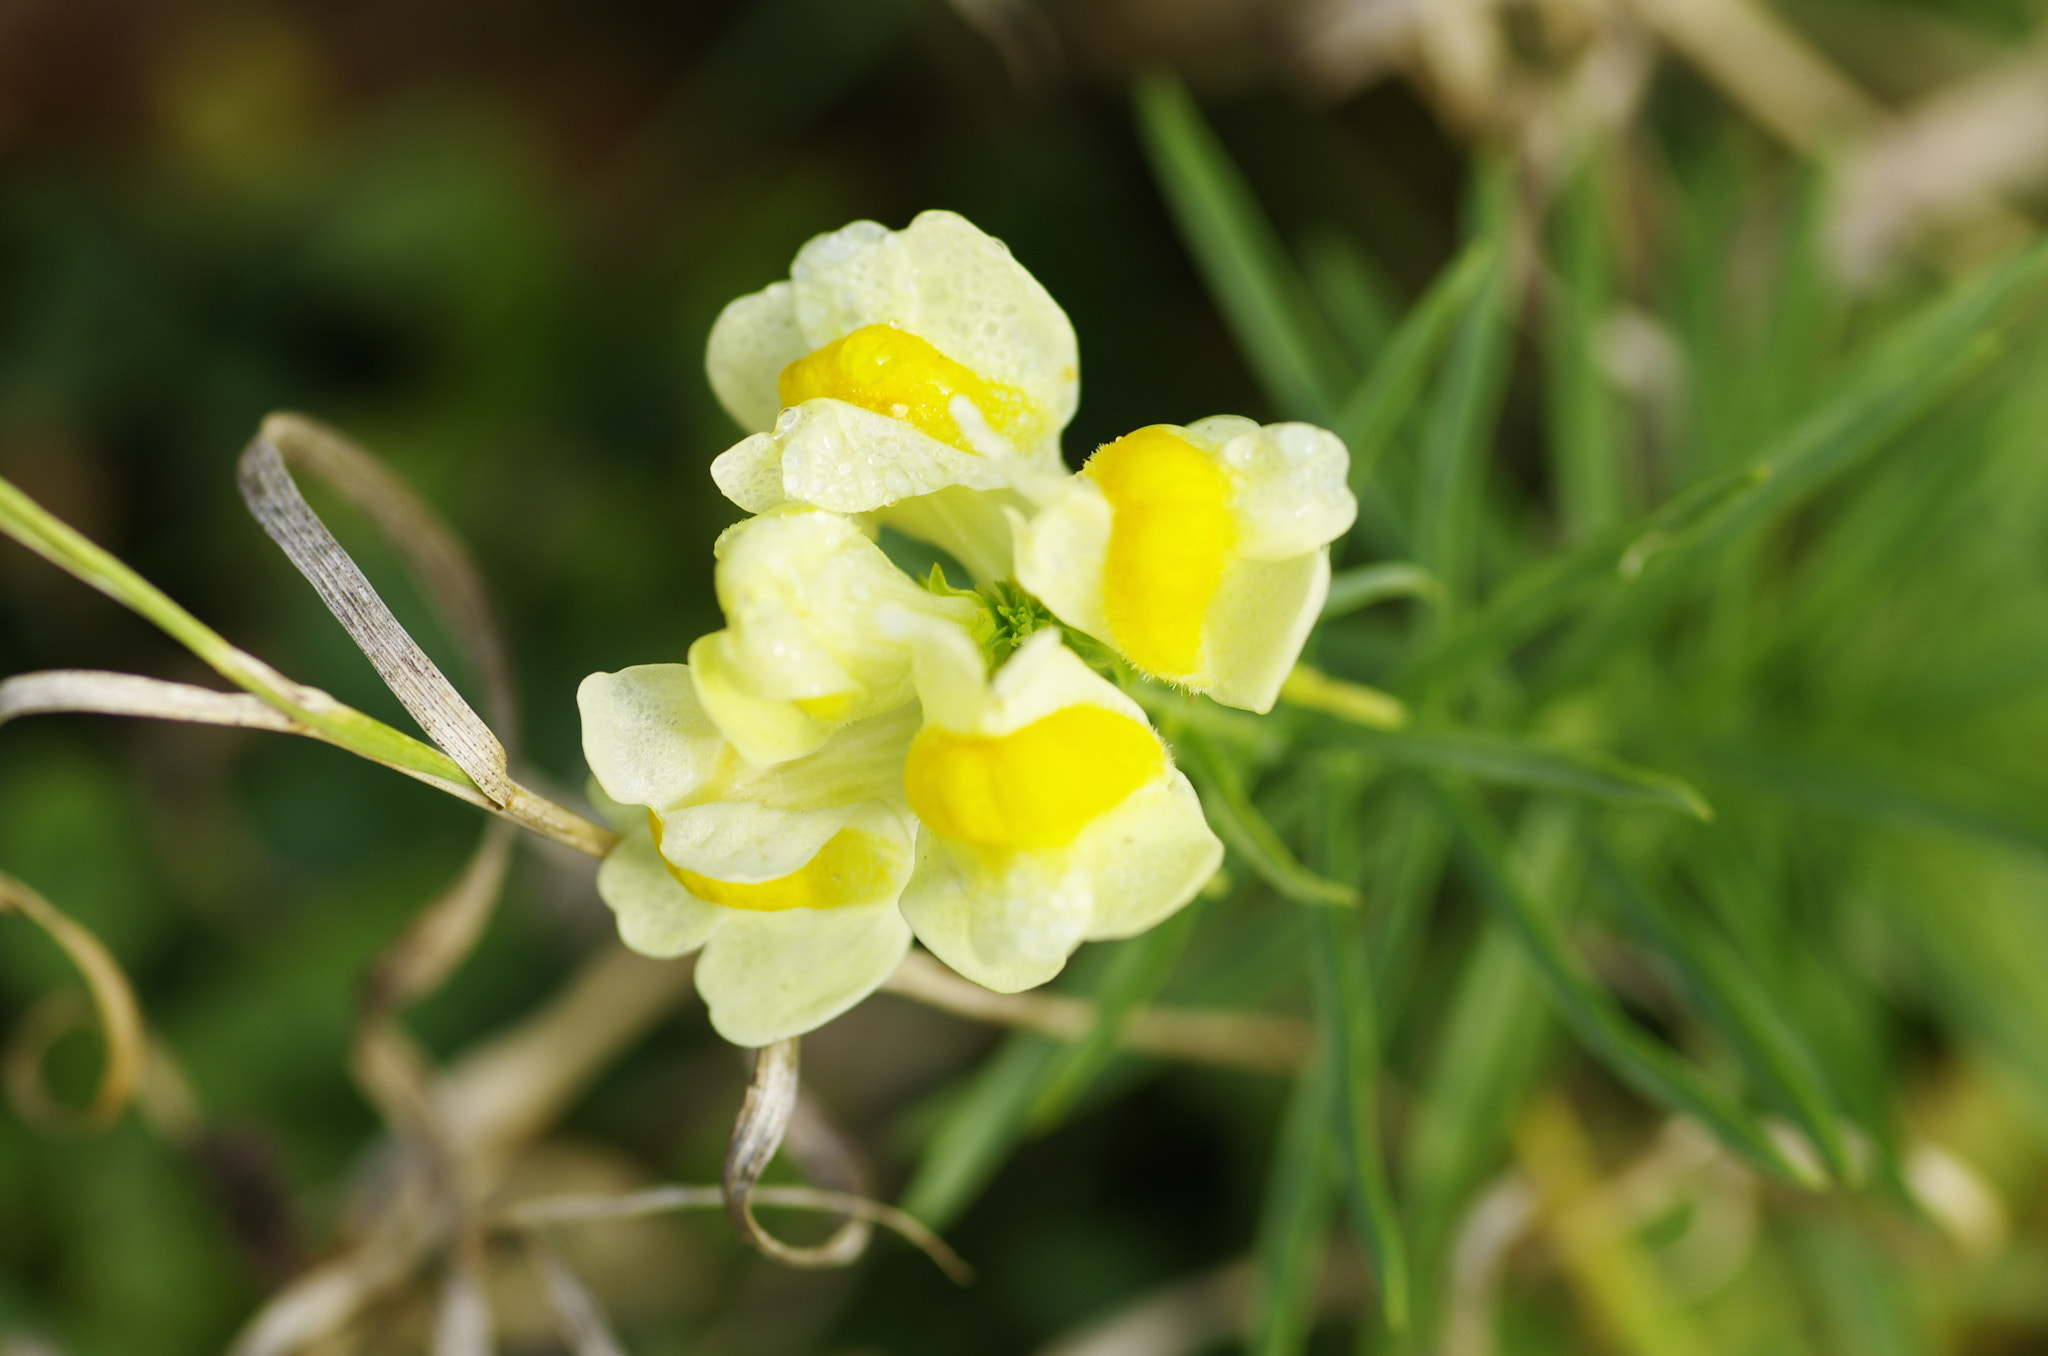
[1036, 787]
[852, 868]
[1172, 535]
[890, 371]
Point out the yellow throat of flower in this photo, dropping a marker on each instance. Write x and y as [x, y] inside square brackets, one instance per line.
[852, 868]
[1171, 536]
[1032, 788]
[893, 372]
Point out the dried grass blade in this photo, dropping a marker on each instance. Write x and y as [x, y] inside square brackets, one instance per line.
[96, 692]
[542, 1211]
[113, 1000]
[578, 1317]
[764, 1118]
[462, 1326]
[418, 683]
[439, 562]
[71, 551]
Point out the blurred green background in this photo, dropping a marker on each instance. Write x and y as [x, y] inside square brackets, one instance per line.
[488, 241]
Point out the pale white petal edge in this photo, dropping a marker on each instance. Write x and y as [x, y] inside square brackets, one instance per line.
[656, 915]
[745, 841]
[951, 284]
[1258, 622]
[752, 340]
[750, 473]
[646, 737]
[1292, 490]
[1063, 555]
[769, 976]
[763, 730]
[1147, 858]
[1007, 921]
[841, 457]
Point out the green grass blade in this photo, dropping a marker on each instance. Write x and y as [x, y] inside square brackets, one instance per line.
[1740, 1007]
[1135, 973]
[979, 1131]
[1509, 762]
[1355, 293]
[1495, 1036]
[1919, 364]
[1584, 428]
[1415, 850]
[71, 551]
[1245, 830]
[1249, 273]
[1373, 412]
[1594, 1017]
[1544, 592]
[1295, 1219]
[1348, 1016]
[1460, 426]
[1365, 585]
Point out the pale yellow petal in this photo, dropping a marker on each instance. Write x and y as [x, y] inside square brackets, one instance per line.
[1258, 623]
[1146, 858]
[656, 915]
[1045, 676]
[765, 730]
[969, 525]
[1007, 921]
[645, 736]
[745, 841]
[1292, 493]
[851, 460]
[752, 340]
[951, 285]
[750, 473]
[1062, 553]
[768, 976]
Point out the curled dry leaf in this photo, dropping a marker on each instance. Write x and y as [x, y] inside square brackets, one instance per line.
[113, 1002]
[764, 1119]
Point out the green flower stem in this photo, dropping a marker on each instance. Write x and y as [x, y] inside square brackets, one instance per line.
[333, 721]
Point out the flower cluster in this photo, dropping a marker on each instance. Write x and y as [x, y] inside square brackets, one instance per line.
[859, 757]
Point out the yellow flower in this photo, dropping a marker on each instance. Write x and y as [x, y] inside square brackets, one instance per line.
[919, 374]
[1200, 553]
[801, 655]
[787, 876]
[1051, 813]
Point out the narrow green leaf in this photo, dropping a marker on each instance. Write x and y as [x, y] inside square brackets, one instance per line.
[1860, 791]
[1244, 830]
[1584, 429]
[1364, 585]
[1415, 848]
[1740, 1008]
[1300, 1200]
[1510, 762]
[1541, 594]
[65, 547]
[1355, 293]
[979, 1131]
[1373, 411]
[1916, 366]
[1347, 1013]
[1249, 273]
[1134, 975]
[1634, 1056]
[1460, 426]
[1495, 1035]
